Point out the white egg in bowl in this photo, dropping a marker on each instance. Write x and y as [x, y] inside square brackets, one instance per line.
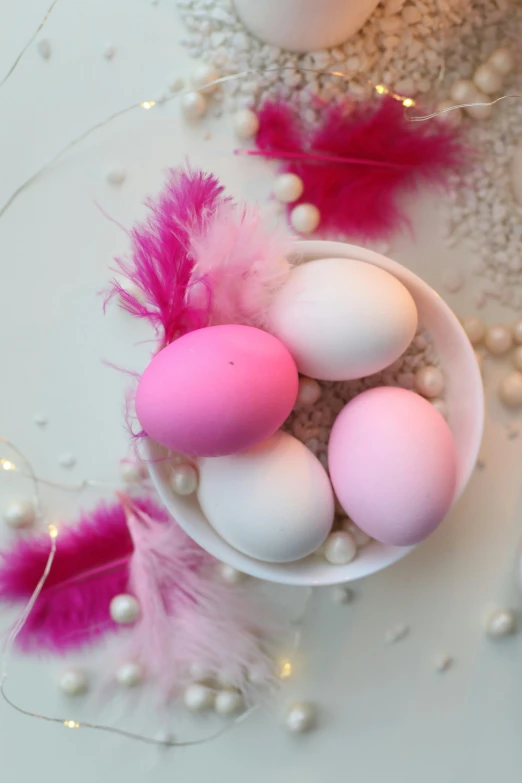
[464, 408]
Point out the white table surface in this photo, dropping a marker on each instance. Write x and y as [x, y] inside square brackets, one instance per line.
[386, 715]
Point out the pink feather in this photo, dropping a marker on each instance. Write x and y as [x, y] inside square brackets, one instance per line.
[242, 261]
[161, 265]
[358, 161]
[188, 616]
[89, 569]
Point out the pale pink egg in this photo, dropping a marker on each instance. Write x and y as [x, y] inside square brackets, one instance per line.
[217, 391]
[392, 464]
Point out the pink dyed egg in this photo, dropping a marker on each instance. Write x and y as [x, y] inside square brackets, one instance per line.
[392, 464]
[217, 391]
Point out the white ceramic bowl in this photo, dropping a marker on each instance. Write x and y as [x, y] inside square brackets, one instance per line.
[464, 398]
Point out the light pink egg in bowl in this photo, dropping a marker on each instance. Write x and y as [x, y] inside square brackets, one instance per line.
[465, 405]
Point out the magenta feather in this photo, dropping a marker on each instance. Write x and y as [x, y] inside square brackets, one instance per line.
[358, 160]
[90, 567]
[161, 265]
[243, 262]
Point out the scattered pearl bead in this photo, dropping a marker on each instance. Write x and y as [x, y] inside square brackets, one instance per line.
[44, 48]
[132, 472]
[124, 609]
[228, 702]
[19, 515]
[198, 698]
[184, 479]
[193, 105]
[41, 420]
[479, 112]
[199, 672]
[230, 574]
[440, 406]
[74, 682]
[308, 392]
[517, 331]
[474, 328]
[116, 176]
[443, 662]
[246, 124]
[340, 548]
[429, 381]
[502, 60]
[463, 91]
[451, 118]
[305, 218]
[361, 538]
[129, 675]
[516, 357]
[510, 390]
[498, 339]
[288, 188]
[203, 76]
[341, 595]
[487, 79]
[67, 460]
[501, 622]
[109, 52]
[301, 717]
[397, 633]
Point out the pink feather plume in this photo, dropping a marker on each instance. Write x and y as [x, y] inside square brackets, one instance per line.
[243, 261]
[161, 265]
[356, 163]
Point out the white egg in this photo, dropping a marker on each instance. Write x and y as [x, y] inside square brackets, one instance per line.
[273, 502]
[343, 319]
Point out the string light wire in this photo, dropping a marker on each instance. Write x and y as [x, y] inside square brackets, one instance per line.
[29, 42]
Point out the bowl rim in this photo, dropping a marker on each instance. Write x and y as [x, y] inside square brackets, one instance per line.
[312, 571]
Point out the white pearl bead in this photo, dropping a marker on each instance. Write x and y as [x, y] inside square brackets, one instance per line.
[501, 622]
[301, 717]
[193, 105]
[502, 60]
[308, 392]
[440, 406]
[124, 609]
[510, 390]
[442, 662]
[199, 672]
[74, 682]
[129, 675]
[132, 472]
[498, 339]
[288, 188]
[340, 548]
[341, 595]
[451, 119]
[479, 112]
[517, 357]
[517, 331]
[20, 514]
[203, 76]
[474, 328]
[487, 79]
[228, 702]
[184, 479]
[246, 124]
[305, 218]
[198, 698]
[230, 574]
[44, 48]
[429, 381]
[361, 538]
[463, 91]
[116, 176]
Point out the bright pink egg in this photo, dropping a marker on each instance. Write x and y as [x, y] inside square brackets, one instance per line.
[217, 391]
[392, 463]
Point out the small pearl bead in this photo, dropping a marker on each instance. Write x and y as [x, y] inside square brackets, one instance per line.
[517, 331]
[116, 176]
[498, 339]
[510, 390]
[502, 60]
[228, 702]
[129, 675]
[288, 188]
[487, 79]
[199, 672]
[124, 609]
[305, 218]
[246, 124]
[451, 119]
[474, 328]
[361, 538]
[20, 514]
[501, 622]
[517, 357]
[193, 105]
[74, 682]
[301, 717]
[442, 662]
[463, 91]
[479, 112]
[44, 48]
[341, 595]
[184, 479]
[203, 76]
[132, 472]
[308, 392]
[429, 381]
[230, 574]
[340, 548]
[440, 406]
[198, 698]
